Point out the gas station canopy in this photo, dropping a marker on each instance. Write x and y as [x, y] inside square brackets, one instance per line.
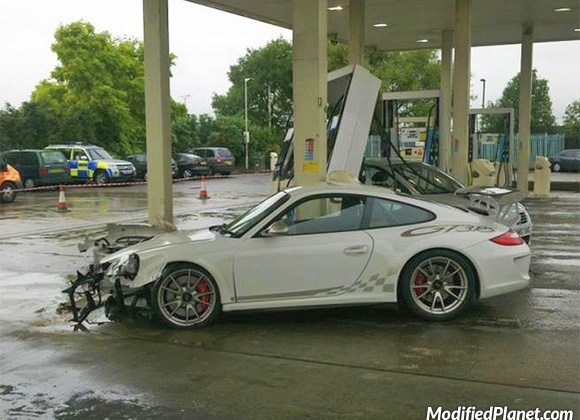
[416, 24]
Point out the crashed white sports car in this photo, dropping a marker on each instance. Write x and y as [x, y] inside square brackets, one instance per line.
[331, 244]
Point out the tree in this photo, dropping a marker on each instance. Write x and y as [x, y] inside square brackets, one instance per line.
[572, 116]
[542, 118]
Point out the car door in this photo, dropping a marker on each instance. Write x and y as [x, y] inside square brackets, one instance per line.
[322, 254]
[82, 162]
[30, 167]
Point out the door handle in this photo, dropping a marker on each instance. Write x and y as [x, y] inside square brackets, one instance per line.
[356, 250]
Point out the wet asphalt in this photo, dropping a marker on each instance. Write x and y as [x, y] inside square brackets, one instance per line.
[520, 350]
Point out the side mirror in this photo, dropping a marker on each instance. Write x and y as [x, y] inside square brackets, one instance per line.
[278, 228]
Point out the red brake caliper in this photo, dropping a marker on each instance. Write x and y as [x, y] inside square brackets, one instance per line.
[419, 280]
[202, 287]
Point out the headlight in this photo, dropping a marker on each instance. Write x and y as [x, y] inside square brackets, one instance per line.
[131, 267]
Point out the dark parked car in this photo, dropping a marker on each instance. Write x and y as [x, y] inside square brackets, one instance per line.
[221, 161]
[566, 161]
[140, 162]
[38, 167]
[189, 165]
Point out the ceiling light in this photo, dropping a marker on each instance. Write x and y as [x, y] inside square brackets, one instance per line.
[335, 8]
[562, 9]
[380, 25]
[422, 41]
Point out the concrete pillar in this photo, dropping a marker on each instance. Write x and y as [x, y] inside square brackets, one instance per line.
[525, 110]
[356, 32]
[445, 100]
[158, 113]
[309, 90]
[461, 84]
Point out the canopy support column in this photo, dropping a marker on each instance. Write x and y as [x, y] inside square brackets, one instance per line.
[461, 84]
[158, 113]
[445, 100]
[525, 110]
[309, 90]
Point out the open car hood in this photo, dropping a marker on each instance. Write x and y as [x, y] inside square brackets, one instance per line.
[503, 196]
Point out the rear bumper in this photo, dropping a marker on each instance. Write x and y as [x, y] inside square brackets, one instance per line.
[501, 269]
[222, 168]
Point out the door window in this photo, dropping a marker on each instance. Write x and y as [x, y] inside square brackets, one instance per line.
[209, 153]
[12, 158]
[29, 159]
[331, 213]
[387, 213]
[80, 154]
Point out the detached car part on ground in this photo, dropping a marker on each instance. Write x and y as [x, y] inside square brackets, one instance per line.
[326, 245]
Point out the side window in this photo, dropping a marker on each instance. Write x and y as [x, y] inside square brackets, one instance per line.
[12, 158]
[209, 153]
[387, 213]
[141, 158]
[79, 154]
[332, 213]
[65, 152]
[29, 158]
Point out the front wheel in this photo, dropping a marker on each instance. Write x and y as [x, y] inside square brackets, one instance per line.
[437, 285]
[556, 167]
[188, 173]
[101, 177]
[8, 192]
[186, 297]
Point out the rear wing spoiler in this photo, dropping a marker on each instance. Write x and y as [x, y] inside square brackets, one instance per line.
[491, 200]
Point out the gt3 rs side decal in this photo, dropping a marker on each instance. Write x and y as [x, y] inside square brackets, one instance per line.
[430, 230]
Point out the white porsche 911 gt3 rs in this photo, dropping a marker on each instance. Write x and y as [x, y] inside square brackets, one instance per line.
[330, 244]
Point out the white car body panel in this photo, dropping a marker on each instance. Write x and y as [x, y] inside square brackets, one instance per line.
[313, 270]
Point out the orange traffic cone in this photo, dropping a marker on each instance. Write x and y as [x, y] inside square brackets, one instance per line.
[61, 199]
[203, 192]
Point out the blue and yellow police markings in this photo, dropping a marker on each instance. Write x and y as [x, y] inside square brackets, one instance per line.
[87, 169]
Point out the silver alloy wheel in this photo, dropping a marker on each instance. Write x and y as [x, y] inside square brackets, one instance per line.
[101, 178]
[439, 285]
[29, 183]
[556, 167]
[186, 297]
[188, 173]
[8, 193]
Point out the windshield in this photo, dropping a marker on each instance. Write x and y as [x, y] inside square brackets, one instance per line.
[427, 179]
[246, 221]
[99, 153]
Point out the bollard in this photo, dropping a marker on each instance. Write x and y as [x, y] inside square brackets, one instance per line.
[482, 173]
[542, 177]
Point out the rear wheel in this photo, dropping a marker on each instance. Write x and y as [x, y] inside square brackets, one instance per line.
[101, 177]
[186, 297]
[8, 192]
[29, 183]
[437, 285]
[188, 173]
[556, 167]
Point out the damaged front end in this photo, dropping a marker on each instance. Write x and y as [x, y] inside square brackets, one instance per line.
[100, 287]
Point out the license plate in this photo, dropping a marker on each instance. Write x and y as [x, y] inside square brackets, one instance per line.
[127, 172]
[229, 162]
[55, 171]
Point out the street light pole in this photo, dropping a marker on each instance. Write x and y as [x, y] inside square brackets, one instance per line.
[246, 133]
[483, 95]
[269, 107]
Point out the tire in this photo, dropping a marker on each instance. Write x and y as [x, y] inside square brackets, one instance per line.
[29, 183]
[8, 192]
[101, 177]
[187, 173]
[444, 296]
[556, 167]
[186, 297]
[145, 176]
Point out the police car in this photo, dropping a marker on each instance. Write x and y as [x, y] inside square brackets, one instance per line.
[89, 162]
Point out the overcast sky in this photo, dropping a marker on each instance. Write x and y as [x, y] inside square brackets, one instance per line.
[208, 41]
